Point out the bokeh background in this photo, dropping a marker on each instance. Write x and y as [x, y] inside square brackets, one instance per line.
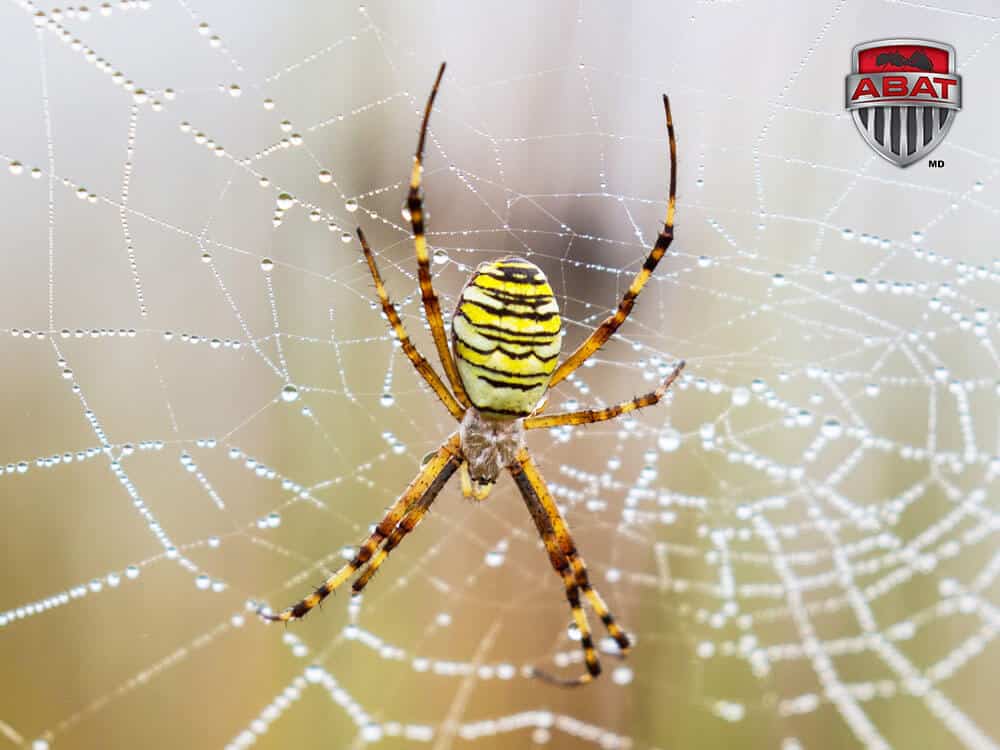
[202, 408]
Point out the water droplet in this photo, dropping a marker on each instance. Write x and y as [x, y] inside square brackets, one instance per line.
[622, 675]
[234, 90]
[266, 264]
[832, 429]
[387, 400]
[346, 237]
[440, 256]
[371, 733]
[670, 440]
[16, 167]
[285, 201]
[494, 558]
[351, 205]
[325, 176]
[729, 711]
[740, 396]
[860, 286]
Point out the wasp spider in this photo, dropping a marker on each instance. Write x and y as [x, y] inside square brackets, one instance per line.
[506, 340]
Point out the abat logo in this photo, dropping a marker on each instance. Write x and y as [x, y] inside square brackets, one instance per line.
[903, 95]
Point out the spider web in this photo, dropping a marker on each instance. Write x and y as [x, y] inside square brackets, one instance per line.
[203, 408]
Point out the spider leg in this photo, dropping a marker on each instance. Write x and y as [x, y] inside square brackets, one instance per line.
[409, 522]
[587, 416]
[607, 329]
[433, 476]
[567, 563]
[565, 539]
[419, 362]
[562, 568]
[432, 307]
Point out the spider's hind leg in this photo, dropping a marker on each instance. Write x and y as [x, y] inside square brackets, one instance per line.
[597, 604]
[433, 475]
[408, 523]
[568, 564]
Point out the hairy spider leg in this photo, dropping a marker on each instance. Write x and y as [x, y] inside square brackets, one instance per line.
[432, 306]
[589, 416]
[568, 564]
[409, 522]
[431, 479]
[568, 547]
[419, 362]
[607, 329]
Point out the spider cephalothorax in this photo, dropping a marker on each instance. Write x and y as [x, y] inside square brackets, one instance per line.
[506, 337]
[488, 446]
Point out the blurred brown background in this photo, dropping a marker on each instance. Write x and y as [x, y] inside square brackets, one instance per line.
[802, 540]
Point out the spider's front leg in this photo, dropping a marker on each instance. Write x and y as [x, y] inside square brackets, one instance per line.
[600, 335]
[424, 488]
[432, 305]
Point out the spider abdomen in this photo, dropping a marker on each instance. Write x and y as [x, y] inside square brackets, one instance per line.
[507, 335]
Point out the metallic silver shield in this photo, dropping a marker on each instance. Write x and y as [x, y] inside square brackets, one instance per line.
[904, 128]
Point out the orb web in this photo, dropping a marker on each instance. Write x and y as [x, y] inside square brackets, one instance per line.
[205, 410]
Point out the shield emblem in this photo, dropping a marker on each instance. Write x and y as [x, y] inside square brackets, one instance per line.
[903, 95]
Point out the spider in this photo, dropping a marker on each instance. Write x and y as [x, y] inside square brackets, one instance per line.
[506, 339]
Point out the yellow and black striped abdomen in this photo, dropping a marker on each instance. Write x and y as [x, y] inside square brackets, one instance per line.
[507, 336]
